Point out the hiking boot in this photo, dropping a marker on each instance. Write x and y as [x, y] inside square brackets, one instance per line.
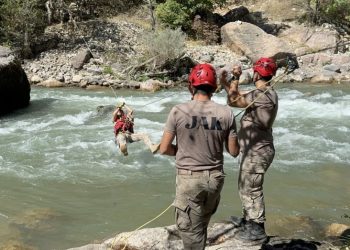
[154, 148]
[237, 221]
[252, 232]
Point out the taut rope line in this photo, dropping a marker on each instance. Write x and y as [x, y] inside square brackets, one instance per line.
[125, 238]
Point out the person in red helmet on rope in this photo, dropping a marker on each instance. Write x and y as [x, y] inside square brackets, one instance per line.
[124, 130]
[256, 144]
[202, 129]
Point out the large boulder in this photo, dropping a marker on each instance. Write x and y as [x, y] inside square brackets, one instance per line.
[307, 40]
[14, 84]
[222, 236]
[81, 58]
[251, 41]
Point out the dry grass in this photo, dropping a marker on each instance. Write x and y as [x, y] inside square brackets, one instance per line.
[131, 19]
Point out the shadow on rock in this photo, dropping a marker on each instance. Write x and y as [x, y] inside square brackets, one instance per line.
[290, 244]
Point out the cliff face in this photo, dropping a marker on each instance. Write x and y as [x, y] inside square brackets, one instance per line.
[14, 85]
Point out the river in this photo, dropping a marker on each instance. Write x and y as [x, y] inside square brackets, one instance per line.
[63, 183]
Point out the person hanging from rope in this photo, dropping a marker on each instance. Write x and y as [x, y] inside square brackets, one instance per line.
[124, 130]
[256, 144]
[201, 128]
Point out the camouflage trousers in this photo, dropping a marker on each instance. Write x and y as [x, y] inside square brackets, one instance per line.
[250, 184]
[123, 138]
[197, 198]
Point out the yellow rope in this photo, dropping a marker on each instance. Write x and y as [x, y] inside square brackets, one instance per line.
[125, 238]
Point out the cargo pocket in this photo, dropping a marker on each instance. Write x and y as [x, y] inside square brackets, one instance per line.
[182, 217]
[216, 205]
[260, 163]
[257, 182]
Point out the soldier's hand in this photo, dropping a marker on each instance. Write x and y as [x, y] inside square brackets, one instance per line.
[237, 71]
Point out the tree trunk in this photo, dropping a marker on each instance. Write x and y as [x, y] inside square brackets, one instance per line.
[151, 9]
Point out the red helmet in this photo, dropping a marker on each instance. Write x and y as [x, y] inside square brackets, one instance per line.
[203, 74]
[265, 67]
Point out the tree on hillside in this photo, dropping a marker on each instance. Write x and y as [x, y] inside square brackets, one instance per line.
[331, 11]
[22, 20]
[179, 13]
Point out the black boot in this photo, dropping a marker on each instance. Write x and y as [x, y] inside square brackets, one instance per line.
[237, 221]
[252, 232]
[262, 225]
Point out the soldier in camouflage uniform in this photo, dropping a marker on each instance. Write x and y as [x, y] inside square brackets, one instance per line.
[256, 142]
[202, 128]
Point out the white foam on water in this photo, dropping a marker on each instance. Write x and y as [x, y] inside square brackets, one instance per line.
[46, 123]
[73, 145]
[149, 105]
[23, 171]
[280, 130]
[13, 127]
[320, 96]
[77, 119]
[6, 131]
[286, 164]
[301, 147]
[86, 98]
[147, 123]
[295, 105]
[76, 144]
[343, 129]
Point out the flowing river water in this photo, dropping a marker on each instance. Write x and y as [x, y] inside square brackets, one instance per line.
[63, 183]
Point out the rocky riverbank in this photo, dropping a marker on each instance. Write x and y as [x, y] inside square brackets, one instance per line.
[95, 54]
[220, 236]
[54, 68]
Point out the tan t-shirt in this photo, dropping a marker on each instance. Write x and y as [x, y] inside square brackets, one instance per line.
[255, 134]
[201, 129]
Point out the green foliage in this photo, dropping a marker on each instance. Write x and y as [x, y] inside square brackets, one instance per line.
[331, 11]
[108, 70]
[142, 78]
[163, 45]
[179, 13]
[21, 20]
[173, 14]
[339, 9]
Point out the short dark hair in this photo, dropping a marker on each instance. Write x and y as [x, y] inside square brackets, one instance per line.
[266, 78]
[204, 89]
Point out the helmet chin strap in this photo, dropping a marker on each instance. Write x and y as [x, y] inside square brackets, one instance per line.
[256, 77]
[191, 91]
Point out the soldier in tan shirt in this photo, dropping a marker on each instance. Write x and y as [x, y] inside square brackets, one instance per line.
[202, 129]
